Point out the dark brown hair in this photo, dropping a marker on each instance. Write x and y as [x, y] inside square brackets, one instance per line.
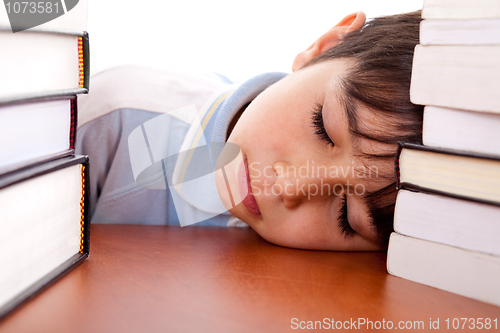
[379, 79]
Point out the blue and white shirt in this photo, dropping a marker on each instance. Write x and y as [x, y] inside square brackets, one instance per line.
[127, 99]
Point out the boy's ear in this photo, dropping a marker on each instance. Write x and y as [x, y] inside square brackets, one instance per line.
[331, 38]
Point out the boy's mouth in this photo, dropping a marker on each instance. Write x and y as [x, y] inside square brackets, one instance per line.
[245, 187]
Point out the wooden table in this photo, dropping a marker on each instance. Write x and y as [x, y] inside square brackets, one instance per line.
[202, 279]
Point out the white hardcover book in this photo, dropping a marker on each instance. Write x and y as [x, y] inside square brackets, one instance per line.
[476, 132]
[449, 172]
[36, 131]
[44, 221]
[451, 9]
[462, 77]
[466, 224]
[467, 273]
[35, 64]
[460, 32]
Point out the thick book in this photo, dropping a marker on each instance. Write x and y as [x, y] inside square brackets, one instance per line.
[458, 9]
[69, 15]
[37, 64]
[449, 172]
[475, 132]
[460, 32]
[36, 131]
[44, 227]
[461, 77]
[461, 223]
[467, 273]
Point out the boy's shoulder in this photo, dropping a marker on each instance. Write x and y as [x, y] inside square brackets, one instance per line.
[144, 88]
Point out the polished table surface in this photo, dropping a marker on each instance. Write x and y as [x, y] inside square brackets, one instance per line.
[202, 279]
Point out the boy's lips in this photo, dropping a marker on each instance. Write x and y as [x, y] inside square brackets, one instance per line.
[245, 188]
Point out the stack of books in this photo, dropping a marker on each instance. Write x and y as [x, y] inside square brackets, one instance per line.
[44, 203]
[447, 217]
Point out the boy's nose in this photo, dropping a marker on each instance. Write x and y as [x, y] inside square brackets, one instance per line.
[295, 187]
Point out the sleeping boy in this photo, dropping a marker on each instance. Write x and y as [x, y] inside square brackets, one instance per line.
[315, 149]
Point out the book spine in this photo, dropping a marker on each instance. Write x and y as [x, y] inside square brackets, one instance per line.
[85, 205]
[82, 210]
[74, 123]
[81, 77]
[85, 61]
[397, 170]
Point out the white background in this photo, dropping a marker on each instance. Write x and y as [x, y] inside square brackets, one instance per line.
[238, 39]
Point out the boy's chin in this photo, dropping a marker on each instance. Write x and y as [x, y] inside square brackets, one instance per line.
[239, 212]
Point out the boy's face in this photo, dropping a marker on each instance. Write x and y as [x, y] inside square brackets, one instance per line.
[298, 179]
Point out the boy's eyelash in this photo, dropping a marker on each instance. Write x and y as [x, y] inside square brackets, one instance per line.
[317, 121]
[344, 225]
